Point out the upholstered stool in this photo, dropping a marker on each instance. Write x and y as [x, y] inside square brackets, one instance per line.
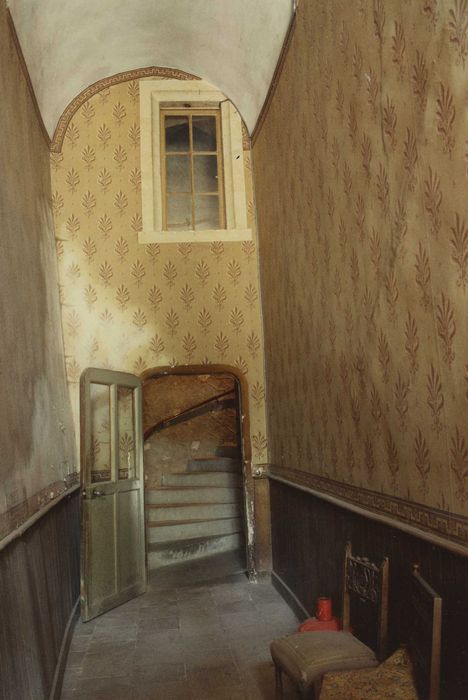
[306, 657]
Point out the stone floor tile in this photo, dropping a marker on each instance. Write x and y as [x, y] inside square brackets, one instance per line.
[158, 610]
[114, 664]
[75, 658]
[71, 677]
[178, 690]
[150, 654]
[188, 637]
[198, 660]
[80, 643]
[84, 628]
[158, 625]
[217, 676]
[158, 673]
[109, 688]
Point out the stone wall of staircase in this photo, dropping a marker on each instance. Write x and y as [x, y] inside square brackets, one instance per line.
[195, 512]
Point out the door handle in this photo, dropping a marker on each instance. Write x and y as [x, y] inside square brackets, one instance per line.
[96, 493]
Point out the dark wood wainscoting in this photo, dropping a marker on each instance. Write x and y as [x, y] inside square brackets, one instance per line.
[308, 539]
[39, 586]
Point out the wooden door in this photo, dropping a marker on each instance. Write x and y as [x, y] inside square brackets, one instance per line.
[113, 562]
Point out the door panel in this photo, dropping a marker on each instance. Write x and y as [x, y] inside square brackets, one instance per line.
[113, 567]
[128, 539]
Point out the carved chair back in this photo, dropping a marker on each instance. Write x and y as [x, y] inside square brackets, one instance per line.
[368, 582]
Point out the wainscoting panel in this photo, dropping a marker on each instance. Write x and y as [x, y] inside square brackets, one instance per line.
[308, 539]
[39, 586]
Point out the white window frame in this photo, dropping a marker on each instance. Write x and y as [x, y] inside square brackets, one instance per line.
[154, 94]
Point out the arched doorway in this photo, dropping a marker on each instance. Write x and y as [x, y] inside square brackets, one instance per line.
[197, 466]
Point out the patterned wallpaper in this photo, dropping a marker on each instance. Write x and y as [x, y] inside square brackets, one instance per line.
[129, 306]
[361, 174]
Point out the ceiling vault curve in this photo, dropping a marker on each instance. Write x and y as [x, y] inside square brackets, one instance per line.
[73, 46]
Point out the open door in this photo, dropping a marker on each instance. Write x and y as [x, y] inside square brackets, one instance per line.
[113, 566]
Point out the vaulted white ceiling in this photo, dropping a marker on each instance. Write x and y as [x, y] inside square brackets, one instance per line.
[69, 44]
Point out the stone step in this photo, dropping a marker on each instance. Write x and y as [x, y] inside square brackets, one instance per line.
[168, 553]
[214, 464]
[192, 511]
[193, 494]
[202, 479]
[170, 531]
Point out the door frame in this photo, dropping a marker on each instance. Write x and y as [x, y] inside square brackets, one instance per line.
[248, 484]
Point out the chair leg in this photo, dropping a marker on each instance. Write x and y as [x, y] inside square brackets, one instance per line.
[279, 682]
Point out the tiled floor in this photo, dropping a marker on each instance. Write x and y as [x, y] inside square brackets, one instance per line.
[199, 633]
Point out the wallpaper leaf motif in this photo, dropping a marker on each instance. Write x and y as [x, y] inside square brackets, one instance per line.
[459, 463]
[435, 398]
[389, 121]
[398, 49]
[459, 243]
[446, 327]
[412, 342]
[423, 275]
[433, 199]
[445, 118]
[362, 208]
[419, 78]
[458, 28]
[129, 306]
[422, 459]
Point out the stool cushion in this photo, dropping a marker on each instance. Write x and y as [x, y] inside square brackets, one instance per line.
[392, 680]
[307, 656]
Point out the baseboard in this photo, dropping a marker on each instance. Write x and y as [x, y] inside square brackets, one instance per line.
[289, 597]
[264, 576]
[56, 689]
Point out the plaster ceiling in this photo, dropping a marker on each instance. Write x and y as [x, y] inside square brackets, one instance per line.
[70, 44]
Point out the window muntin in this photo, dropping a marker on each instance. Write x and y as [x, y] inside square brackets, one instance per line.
[192, 170]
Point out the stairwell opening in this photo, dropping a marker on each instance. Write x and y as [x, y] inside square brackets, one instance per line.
[194, 451]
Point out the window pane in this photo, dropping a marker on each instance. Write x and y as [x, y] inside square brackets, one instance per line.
[179, 212]
[177, 133]
[207, 212]
[178, 174]
[126, 433]
[205, 170]
[204, 133]
[100, 433]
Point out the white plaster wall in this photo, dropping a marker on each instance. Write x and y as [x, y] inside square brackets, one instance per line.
[69, 44]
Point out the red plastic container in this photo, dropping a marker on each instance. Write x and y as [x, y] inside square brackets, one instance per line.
[323, 611]
[314, 625]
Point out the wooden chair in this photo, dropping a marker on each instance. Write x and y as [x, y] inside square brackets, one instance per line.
[306, 657]
[425, 636]
[410, 673]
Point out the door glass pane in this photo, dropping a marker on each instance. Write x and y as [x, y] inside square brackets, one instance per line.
[100, 433]
[178, 174]
[204, 133]
[126, 417]
[179, 212]
[205, 170]
[207, 212]
[177, 133]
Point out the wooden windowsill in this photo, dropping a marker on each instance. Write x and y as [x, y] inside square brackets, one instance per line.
[206, 236]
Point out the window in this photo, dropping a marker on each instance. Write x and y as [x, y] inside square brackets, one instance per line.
[192, 161]
[192, 170]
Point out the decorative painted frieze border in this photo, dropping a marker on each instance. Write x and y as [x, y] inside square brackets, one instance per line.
[439, 524]
[136, 74]
[94, 88]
